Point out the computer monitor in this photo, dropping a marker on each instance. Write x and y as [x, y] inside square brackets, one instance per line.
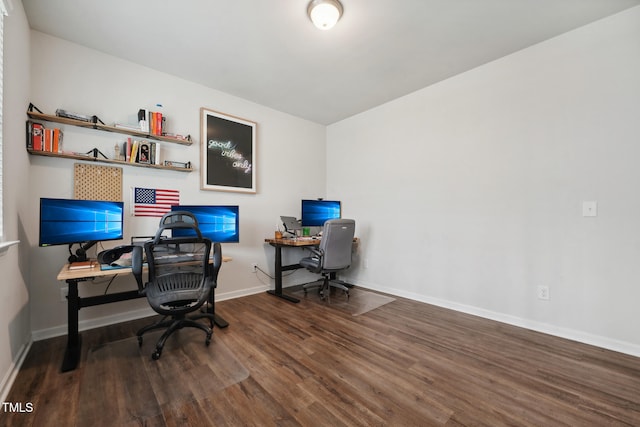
[83, 222]
[217, 223]
[316, 212]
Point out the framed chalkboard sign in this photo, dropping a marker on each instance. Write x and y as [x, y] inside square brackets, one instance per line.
[228, 152]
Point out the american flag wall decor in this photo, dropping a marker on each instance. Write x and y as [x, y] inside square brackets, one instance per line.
[153, 202]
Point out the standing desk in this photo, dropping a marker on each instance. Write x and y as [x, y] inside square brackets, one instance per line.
[75, 303]
[278, 244]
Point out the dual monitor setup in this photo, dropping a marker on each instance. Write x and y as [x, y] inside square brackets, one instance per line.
[86, 222]
[314, 214]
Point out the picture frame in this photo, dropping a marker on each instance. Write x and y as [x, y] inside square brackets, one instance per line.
[228, 152]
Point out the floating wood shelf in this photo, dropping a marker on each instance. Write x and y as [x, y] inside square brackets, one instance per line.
[98, 126]
[34, 116]
[88, 158]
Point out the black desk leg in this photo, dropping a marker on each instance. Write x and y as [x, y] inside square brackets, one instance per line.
[211, 308]
[278, 290]
[219, 321]
[74, 345]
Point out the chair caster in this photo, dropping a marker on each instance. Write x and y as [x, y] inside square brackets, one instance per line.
[140, 341]
[208, 340]
[156, 355]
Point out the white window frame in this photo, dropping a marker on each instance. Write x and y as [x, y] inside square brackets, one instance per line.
[5, 8]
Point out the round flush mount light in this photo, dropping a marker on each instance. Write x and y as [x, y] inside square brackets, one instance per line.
[324, 13]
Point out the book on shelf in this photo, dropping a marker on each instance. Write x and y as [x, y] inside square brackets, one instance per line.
[158, 119]
[40, 138]
[35, 137]
[154, 157]
[29, 130]
[133, 158]
[57, 140]
[128, 146]
[48, 137]
[141, 151]
[152, 122]
[127, 150]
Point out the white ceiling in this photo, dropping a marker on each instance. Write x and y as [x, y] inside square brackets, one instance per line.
[268, 52]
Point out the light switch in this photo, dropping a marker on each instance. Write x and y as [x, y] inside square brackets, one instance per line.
[590, 208]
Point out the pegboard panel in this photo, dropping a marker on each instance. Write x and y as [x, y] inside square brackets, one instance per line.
[95, 182]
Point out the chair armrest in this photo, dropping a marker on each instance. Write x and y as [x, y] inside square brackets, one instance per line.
[315, 251]
[136, 266]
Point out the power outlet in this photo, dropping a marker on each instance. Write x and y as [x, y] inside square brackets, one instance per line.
[543, 293]
[64, 291]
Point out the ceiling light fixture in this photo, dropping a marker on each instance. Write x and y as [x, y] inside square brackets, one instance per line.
[324, 13]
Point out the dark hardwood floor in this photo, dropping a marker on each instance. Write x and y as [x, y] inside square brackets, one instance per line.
[403, 364]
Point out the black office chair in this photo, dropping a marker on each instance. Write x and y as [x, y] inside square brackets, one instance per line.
[332, 255]
[180, 277]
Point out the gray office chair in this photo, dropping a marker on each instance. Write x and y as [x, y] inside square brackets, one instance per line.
[180, 277]
[332, 255]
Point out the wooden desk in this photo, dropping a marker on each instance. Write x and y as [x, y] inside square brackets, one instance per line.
[75, 303]
[278, 244]
[294, 242]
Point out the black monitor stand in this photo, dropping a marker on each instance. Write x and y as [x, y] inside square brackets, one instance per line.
[81, 252]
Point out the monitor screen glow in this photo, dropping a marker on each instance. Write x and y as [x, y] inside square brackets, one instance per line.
[316, 212]
[217, 223]
[69, 221]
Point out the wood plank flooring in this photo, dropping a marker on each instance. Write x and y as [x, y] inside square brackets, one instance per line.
[403, 364]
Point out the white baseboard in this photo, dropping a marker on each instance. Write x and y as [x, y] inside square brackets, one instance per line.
[85, 325]
[242, 293]
[12, 373]
[570, 334]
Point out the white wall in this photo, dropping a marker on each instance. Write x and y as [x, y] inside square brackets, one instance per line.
[468, 193]
[69, 76]
[15, 330]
